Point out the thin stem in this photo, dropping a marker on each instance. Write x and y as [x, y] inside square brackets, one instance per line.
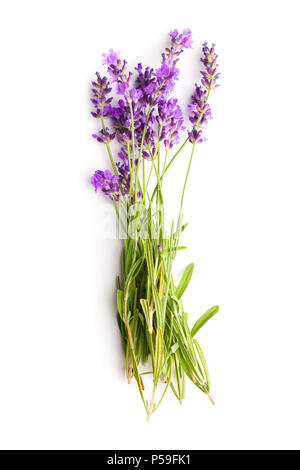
[130, 170]
[165, 161]
[132, 130]
[181, 148]
[144, 178]
[109, 152]
[184, 187]
[151, 403]
[118, 215]
[168, 382]
[206, 391]
[142, 143]
[168, 166]
[149, 176]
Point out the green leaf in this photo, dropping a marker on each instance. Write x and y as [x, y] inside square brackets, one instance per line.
[148, 314]
[134, 270]
[184, 226]
[120, 302]
[186, 277]
[129, 257]
[203, 319]
[158, 306]
[173, 297]
[203, 362]
[158, 356]
[167, 250]
[149, 259]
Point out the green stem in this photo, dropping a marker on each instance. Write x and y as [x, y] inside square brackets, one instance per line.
[183, 191]
[142, 144]
[118, 215]
[144, 178]
[181, 148]
[130, 170]
[109, 152]
[148, 180]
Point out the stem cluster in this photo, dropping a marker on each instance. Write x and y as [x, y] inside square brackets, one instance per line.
[151, 315]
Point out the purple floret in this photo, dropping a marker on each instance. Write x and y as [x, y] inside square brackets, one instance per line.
[107, 183]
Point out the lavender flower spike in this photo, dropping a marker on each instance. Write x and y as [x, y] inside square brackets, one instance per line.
[104, 136]
[117, 71]
[100, 89]
[209, 61]
[200, 111]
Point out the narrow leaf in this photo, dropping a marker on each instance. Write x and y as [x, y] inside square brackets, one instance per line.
[120, 301]
[158, 359]
[203, 362]
[167, 250]
[203, 319]
[186, 277]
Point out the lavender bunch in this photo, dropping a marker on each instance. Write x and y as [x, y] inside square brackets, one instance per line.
[137, 110]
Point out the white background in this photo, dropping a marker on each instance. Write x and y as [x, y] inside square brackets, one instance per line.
[61, 366]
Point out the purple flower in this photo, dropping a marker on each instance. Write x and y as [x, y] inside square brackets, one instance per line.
[146, 155]
[183, 40]
[104, 136]
[100, 89]
[111, 58]
[121, 88]
[117, 71]
[124, 176]
[107, 183]
[200, 111]
[163, 72]
[146, 82]
[209, 61]
[195, 136]
[121, 120]
[148, 97]
[170, 118]
[135, 94]
[168, 110]
[167, 74]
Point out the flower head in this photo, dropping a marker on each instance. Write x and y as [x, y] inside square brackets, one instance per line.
[167, 73]
[100, 91]
[146, 82]
[209, 61]
[135, 94]
[200, 111]
[111, 58]
[170, 118]
[104, 136]
[121, 120]
[107, 183]
[195, 136]
[181, 41]
[117, 71]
